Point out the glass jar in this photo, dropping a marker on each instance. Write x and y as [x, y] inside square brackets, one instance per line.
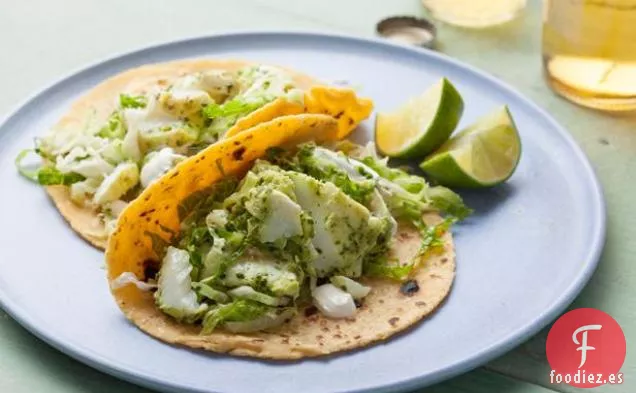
[589, 51]
[474, 13]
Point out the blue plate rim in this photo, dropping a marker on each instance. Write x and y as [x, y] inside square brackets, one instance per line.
[505, 344]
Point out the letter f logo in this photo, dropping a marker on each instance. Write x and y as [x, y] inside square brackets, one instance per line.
[584, 347]
[575, 330]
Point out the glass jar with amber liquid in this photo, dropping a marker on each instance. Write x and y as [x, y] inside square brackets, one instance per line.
[589, 51]
[474, 13]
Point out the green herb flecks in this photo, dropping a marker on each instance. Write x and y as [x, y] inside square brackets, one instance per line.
[199, 240]
[306, 162]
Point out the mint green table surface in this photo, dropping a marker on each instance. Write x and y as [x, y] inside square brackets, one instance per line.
[42, 40]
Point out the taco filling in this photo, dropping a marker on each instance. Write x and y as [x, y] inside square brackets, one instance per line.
[107, 165]
[300, 228]
[107, 160]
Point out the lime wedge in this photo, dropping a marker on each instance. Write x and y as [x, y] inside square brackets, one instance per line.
[482, 155]
[422, 124]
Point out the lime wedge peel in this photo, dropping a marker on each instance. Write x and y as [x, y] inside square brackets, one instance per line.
[482, 155]
[422, 124]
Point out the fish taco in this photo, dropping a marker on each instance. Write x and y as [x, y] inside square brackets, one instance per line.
[280, 242]
[126, 132]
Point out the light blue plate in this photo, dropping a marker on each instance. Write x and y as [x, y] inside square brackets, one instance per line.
[521, 259]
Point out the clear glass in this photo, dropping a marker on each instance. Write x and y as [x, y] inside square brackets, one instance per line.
[589, 51]
[474, 13]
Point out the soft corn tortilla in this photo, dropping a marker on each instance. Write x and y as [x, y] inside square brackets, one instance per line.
[99, 103]
[150, 222]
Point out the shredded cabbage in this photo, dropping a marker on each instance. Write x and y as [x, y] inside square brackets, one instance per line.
[247, 292]
[238, 311]
[357, 290]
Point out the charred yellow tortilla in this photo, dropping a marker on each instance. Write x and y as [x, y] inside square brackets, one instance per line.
[99, 103]
[342, 104]
[149, 223]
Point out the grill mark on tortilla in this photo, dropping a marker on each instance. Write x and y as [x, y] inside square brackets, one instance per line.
[151, 268]
[238, 153]
[410, 287]
[311, 310]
